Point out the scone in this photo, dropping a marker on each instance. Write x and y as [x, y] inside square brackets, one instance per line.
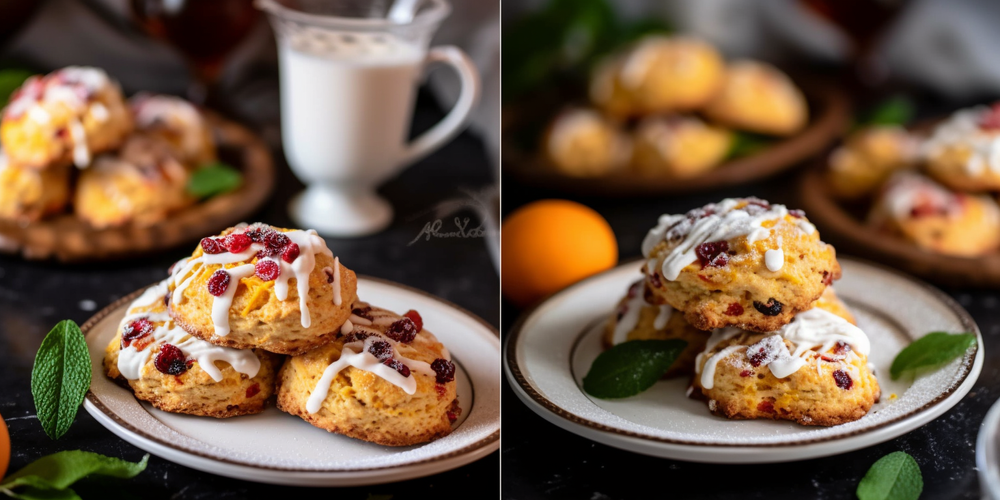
[679, 147]
[386, 380]
[262, 287]
[636, 319]
[936, 219]
[141, 184]
[867, 158]
[658, 75]
[28, 194]
[177, 373]
[176, 121]
[963, 153]
[582, 143]
[69, 115]
[740, 262]
[758, 97]
[813, 371]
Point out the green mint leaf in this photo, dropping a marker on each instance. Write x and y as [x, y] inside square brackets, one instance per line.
[213, 179]
[630, 367]
[895, 476]
[746, 144]
[931, 350]
[10, 80]
[60, 470]
[893, 111]
[60, 377]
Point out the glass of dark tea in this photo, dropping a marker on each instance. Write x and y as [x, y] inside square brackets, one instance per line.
[204, 31]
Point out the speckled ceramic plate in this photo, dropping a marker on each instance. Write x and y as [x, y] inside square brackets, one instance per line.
[551, 348]
[274, 447]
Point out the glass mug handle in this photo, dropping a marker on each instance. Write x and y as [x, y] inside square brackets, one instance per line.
[452, 124]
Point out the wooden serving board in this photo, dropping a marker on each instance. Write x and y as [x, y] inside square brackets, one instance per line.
[829, 111]
[68, 239]
[848, 232]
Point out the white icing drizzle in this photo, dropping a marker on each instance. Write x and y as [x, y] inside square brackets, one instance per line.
[714, 222]
[774, 259]
[336, 282]
[963, 129]
[309, 244]
[632, 310]
[811, 332]
[81, 152]
[131, 360]
[356, 354]
[906, 191]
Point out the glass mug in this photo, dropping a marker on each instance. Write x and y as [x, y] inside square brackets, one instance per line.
[349, 77]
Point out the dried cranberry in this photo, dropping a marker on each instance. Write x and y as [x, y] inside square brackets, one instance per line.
[991, 119]
[842, 348]
[399, 367]
[136, 329]
[734, 309]
[291, 253]
[329, 274]
[926, 209]
[746, 373]
[416, 319]
[451, 416]
[267, 270]
[759, 357]
[765, 406]
[441, 390]
[212, 246]
[253, 390]
[755, 201]
[772, 308]
[218, 283]
[170, 360]
[444, 369]
[381, 350]
[256, 233]
[654, 279]
[799, 214]
[402, 331]
[843, 380]
[713, 254]
[363, 312]
[276, 240]
[827, 278]
[237, 242]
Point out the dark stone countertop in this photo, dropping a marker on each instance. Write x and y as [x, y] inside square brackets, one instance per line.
[570, 466]
[34, 296]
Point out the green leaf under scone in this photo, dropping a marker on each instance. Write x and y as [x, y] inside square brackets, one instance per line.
[51, 476]
[746, 144]
[60, 377]
[630, 367]
[10, 80]
[895, 476]
[931, 350]
[893, 111]
[214, 179]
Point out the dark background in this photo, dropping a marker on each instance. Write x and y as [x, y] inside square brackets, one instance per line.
[34, 296]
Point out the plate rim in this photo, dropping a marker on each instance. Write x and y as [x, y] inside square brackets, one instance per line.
[971, 366]
[93, 404]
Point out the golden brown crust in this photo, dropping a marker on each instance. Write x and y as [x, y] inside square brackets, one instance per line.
[760, 98]
[743, 292]
[364, 406]
[258, 319]
[28, 194]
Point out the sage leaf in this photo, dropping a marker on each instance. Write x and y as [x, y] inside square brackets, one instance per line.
[60, 377]
[895, 476]
[931, 350]
[630, 367]
[213, 179]
[51, 476]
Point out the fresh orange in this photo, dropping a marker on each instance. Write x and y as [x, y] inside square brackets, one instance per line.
[550, 244]
[4, 448]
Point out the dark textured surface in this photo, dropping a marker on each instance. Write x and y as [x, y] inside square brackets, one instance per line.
[541, 460]
[35, 296]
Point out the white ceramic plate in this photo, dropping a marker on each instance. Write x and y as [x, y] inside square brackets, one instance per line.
[274, 447]
[551, 348]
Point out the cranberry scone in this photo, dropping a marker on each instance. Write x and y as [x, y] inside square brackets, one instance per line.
[741, 262]
[813, 371]
[961, 152]
[385, 379]
[163, 364]
[258, 286]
